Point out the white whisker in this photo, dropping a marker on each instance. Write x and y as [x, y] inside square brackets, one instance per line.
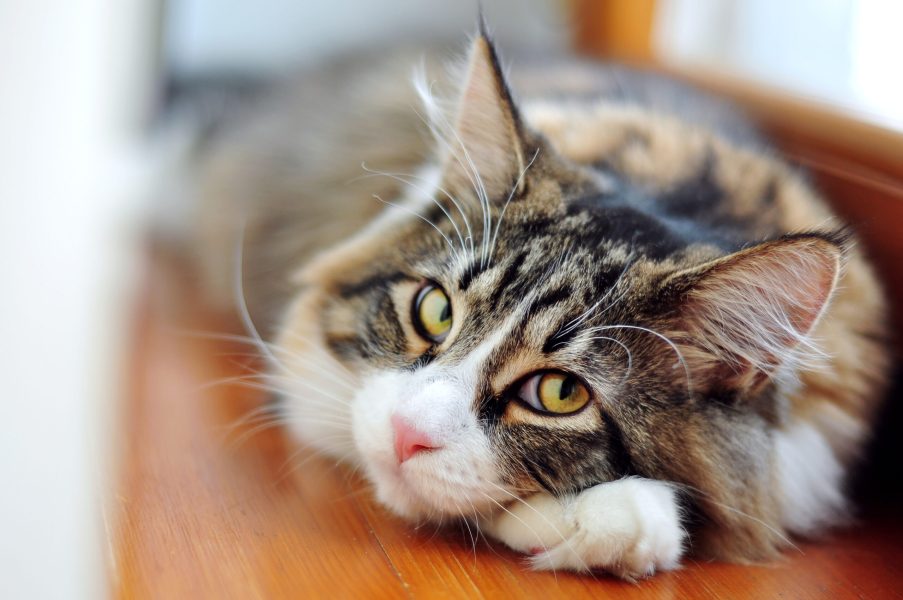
[736, 511]
[623, 346]
[437, 120]
[522, 522]
[573, 324]
[564, 540]
[664, 338]
[403, 178]
[498, 223]
[340, 376]
[451, 246]
[242, 303]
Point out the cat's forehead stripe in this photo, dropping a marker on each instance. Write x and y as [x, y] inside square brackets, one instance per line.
[381, 279]
[548, 299]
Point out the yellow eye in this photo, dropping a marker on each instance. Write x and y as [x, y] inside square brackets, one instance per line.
[432, 313]
[554, 392]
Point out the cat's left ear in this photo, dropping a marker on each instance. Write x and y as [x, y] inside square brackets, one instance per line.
[487, 146]
[742, 316]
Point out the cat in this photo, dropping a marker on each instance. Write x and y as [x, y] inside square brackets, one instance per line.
[600, 318]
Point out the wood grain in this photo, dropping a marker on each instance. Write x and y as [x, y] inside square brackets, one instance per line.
[211, 505]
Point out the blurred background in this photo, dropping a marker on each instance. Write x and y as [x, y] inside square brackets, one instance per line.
[102, 100]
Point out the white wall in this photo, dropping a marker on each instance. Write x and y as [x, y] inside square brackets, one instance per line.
[69, 105]
[842, 52]
[264, 35]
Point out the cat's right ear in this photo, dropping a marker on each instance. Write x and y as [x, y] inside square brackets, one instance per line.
[484, 149]
[741, 317]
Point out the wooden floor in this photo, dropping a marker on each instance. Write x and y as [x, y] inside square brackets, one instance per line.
[209, 505]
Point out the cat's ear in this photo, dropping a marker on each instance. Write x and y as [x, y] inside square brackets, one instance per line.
[742, 316]
[486, 146]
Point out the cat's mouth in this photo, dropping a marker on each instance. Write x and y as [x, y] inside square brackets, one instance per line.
[433, 484]
[446, 481]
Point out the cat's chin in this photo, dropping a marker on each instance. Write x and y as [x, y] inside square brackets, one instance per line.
[421, 492]
[395, 494]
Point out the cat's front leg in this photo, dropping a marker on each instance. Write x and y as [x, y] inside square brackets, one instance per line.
[630, 527]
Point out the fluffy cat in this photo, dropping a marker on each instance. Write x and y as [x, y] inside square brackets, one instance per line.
[605, 322]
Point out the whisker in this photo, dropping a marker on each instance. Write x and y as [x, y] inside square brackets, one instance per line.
[252, 416]
[337, 402]
[242, 303]
[287, 471]
[528, 505]
[235, 379]
[247, 435]
[401, 178]
[573, 324]
[352, 495]
[451, 246]
[437, 119]
[473, 539]
[624, 347]
[306, 385]
[333, 364]
[516, 186]
[664, 338]
[326, 418]
[522, 522]
[340, 376]
[736, 511]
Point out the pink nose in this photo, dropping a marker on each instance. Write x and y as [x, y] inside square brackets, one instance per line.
[408, 440]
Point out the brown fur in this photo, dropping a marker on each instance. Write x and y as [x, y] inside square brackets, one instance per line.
[714, 437]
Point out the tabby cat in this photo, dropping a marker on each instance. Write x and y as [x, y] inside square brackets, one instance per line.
[597, 316]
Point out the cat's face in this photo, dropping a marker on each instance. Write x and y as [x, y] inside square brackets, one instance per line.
[480, 375]
[520, 327]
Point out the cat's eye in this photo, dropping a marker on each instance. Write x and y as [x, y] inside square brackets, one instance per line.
[554, 392]
[432, 314]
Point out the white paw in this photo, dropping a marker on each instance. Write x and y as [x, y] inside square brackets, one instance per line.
[629, 527]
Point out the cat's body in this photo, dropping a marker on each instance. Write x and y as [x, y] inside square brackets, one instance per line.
[606, 229]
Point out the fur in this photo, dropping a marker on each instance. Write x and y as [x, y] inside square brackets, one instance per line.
[604, 223]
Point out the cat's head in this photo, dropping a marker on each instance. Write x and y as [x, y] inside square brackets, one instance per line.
[520, 322]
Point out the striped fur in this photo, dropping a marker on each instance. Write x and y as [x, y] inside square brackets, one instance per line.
[603, 225]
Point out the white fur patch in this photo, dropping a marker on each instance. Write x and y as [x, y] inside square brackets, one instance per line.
[458, 478]
[317, 390]
[811, 480]
[630, 527]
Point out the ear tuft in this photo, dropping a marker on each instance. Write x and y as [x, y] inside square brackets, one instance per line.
[485, 151]
[754, 310]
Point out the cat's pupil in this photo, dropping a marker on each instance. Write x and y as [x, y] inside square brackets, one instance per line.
[567, 387]
[446, 313]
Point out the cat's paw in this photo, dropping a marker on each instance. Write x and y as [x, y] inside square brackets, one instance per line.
[630, 528]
